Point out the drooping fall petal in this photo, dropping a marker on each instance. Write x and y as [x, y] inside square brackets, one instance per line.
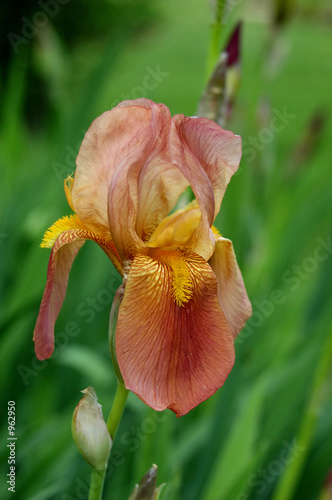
[231, 290]
[217, 151]
[64, 251]
[174, 345]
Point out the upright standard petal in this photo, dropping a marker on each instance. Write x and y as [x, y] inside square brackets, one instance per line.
[231, 290]
[64, 251]
[117, 140]
[193, 171]
[124, 172]
[160, 182]
[174, 345]
[145, 189]
[124, 189]
[218, 151]
[178, 229]
[183, 229]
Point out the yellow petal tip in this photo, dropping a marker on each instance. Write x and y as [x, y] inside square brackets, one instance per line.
[68, 185]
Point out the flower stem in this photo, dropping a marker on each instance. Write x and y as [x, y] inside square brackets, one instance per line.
[117, 409]
[98, 476]
[216, 29]
[112, 328]
[96, 484]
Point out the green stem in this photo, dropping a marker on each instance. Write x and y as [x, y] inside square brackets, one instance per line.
[112, 329]
[96, 484]
[214, 48]
[215, 33]
[286, 487]
[97, 476]
[117, 409]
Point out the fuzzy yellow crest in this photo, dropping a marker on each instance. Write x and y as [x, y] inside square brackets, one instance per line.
[182, 285]
[215, 231]
[61, 225]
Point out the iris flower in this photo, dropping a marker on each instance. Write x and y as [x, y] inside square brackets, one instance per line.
[184, 300]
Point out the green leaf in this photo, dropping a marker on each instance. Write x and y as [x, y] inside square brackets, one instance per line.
[240, 447]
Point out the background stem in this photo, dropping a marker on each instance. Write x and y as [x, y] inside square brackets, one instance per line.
[215, 33]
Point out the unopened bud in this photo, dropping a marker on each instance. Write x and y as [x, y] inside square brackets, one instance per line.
[89, 431]
[146, 489]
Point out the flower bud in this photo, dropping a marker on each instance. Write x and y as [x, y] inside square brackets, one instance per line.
[146, 489]
[89, 431]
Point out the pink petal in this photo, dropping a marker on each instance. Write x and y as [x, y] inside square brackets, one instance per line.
[172, 356]
[147, 185]
[160, 186]
[117, 141]
[124, 178]
[62, 256]
[217, 151]
[231, 290]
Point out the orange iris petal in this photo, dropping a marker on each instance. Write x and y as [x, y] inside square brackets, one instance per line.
[216, 150]
[231, 289]
[177, 229]
[64, 251]
[172, 356]
[182, 229]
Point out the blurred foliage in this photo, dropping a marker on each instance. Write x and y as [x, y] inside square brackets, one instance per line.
[59, 37]
[273, 417]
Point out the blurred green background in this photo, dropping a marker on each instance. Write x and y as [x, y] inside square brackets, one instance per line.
[267, 434]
